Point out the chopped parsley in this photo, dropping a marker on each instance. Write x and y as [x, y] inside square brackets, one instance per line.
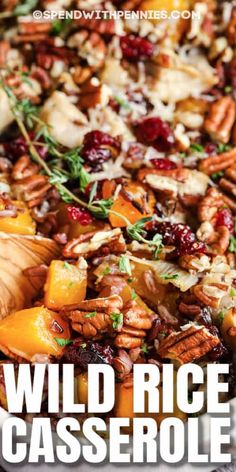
[197, 147]
[123, 103]
[67, 266]
[221, 316]
[228, 89]
[223, 148]
[133, 294]
[90, 315]
[232, 245]
[63, 342]
[232, 292]
[144, 348]
[217, 175]
[124, 265]
[106, 271]
[117, 319]
[169, 277]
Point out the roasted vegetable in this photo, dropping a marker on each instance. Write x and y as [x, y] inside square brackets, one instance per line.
[66, 284]
[82, 388]
[25, 333]
[124, 404]
[228, 328]
[134, 202]
[68, 219]
[21, 224]
[17, 253]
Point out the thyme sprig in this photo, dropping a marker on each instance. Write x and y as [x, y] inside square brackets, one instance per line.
[25, 111]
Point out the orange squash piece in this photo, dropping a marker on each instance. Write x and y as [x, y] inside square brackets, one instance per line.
[33, 331]
[65, 284]
[124, 405]
[75, 228]
[82, 388]
[167, 5]
[143, 198]
[228, 325]
[21, 224]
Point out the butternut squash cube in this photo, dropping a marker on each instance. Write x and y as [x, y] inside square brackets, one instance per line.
[21, 224]
[65, 284]
[33, 331]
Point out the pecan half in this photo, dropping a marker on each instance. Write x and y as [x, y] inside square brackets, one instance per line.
[91, 47]
[198, 262]
[136, 321]
[24, 167]
[218, 237]
[213, 164]
[93, 93]
[33, 27]
[231, 28]
[210, 204]
[228, 187]
[210, 294]
[188, 345]
[105, 242]
[81, 74]
[92, 318]
[4, 48]
[175, 182]
[101, 26]
[220, 119]
[122, 364]
[32, 189]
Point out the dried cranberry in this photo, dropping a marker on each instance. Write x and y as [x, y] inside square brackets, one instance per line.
[231, 72]
[178, 235]
[217, 352]
[18, 147]
[98, 138]
[135, 48]
[80, 215]
[163, 164]
[211, 148]
[83, 353]
[99, 147]
[225, 218]
[96, 156]
[155, 132]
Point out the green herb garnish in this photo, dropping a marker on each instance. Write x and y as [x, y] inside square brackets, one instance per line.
[223, 148]
[217, 175]
[221, 316]
[169, 277]
[124, 265]
[232, 292]
[232, 245]
[144, 348]
[123, 103]
[66, 265]
[228, 89]
[117, 319]
[90, 315]
[196, 147]
[58, 27]
[63, 342]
